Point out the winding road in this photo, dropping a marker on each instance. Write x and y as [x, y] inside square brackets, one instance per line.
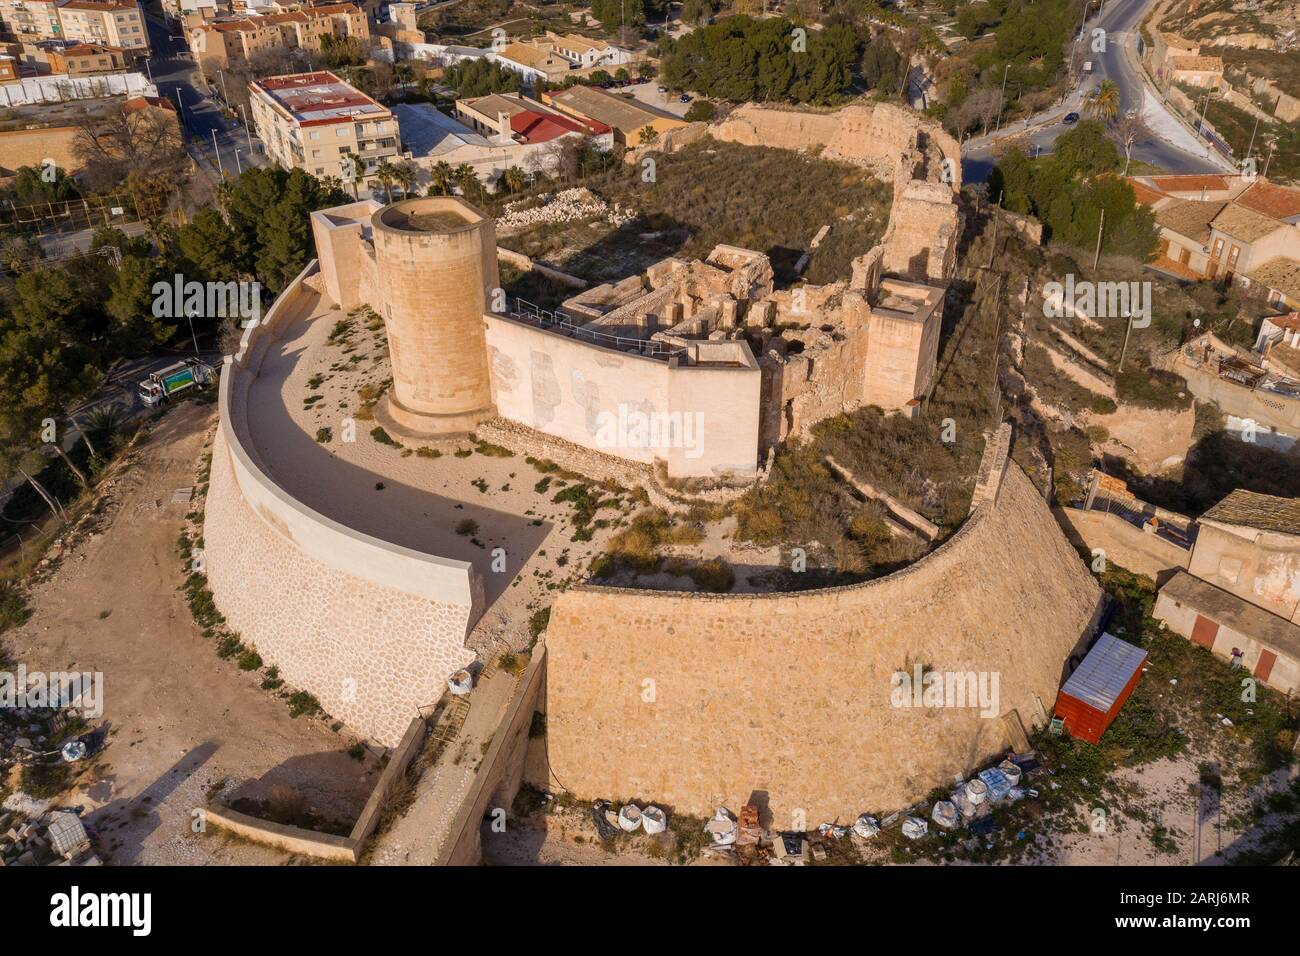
[1165, 142]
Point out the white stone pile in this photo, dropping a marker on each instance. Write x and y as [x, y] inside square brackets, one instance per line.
[569, 205]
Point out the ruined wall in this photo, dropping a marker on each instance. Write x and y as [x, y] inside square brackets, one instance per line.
[697, 700]
[561, 386]
[875, 135]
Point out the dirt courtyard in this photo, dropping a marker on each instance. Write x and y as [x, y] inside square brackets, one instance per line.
[184, 723]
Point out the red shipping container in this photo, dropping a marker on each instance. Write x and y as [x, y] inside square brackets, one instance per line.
[1092, 696]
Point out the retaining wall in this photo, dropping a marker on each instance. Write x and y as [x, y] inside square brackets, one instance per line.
[371, 628]
[698, 700]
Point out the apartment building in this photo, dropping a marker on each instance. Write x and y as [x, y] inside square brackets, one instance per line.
[223, 43]
[30, 20]
[316, 122]
[112, 23]
[115, 23]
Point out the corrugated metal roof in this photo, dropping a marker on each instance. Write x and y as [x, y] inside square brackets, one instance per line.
[1105, 671]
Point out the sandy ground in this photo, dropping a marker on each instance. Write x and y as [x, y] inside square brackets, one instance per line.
[183, 721]
[1155, 440]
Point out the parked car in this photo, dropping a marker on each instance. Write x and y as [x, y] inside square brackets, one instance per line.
[663, 89]
[685, 98]
[1071, 118]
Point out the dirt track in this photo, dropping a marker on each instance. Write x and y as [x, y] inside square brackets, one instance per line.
[183, 721]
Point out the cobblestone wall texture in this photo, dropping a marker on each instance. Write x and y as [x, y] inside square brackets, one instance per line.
[698, 700]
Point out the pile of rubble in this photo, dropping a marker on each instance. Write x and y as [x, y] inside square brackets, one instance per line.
[54, 838]
[570, 205]
[32, 833]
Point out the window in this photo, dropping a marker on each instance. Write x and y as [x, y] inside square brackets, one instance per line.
[1232, 256]
[342, 131]
[315, 154]
[313, 135]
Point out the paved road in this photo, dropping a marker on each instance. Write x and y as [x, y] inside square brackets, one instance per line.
[1160, 142]
[177, 77]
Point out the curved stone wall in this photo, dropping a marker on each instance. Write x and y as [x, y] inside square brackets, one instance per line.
[699, 700]
[371, 628]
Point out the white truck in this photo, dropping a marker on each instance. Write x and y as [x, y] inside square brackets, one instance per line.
[164, 383]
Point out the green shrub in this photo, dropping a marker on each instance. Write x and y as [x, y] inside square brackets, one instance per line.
[381, 436]
[302, 703]
[714, 575]
[250, 660]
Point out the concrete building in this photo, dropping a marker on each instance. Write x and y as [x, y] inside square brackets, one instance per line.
[86, 59]
[552, 57]
[114, 23]
[533, 140]
[1240, 595]
[313, 121]
[31, 20]
[221, 43]
[627, 117]
[522, 119]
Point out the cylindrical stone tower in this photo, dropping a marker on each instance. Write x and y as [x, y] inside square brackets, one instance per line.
[436, 261]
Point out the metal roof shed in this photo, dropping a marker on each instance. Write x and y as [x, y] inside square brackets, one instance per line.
[1092, 696]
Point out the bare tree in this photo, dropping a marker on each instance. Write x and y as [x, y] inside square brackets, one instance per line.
[134, 139]
[1129, 128]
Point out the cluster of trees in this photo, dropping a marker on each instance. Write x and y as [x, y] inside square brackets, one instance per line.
[1031, 41]
[741, 58]
[62, 325]
[1070, 190]
[480, 77]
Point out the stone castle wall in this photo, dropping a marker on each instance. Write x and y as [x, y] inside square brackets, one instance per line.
[875, 135]
[372, 629]
[699, 700]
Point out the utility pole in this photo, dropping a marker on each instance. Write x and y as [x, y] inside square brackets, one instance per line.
[1096, 256]
[1003, 98]
[1124, 349]
[247, 129]
[1252, 138]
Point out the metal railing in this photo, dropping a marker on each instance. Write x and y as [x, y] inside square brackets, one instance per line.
[568, 325]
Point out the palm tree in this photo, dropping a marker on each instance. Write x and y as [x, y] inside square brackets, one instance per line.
[404, 175]
[1104, 102]
[443, 179]
[512, 179]
[465, 178]
[387, 175]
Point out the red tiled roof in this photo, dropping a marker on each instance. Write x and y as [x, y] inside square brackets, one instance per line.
[137, 103]
[1193, 181]
[1145, 194]
[1279, 202]
[537, 127]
